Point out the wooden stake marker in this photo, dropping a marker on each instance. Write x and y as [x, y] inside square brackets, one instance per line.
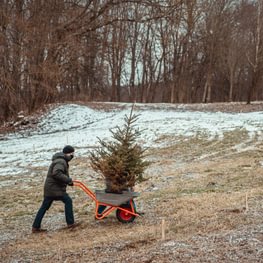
[246, 202]
[163, 229]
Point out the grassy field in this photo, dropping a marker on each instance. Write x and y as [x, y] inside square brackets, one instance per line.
[202, 202]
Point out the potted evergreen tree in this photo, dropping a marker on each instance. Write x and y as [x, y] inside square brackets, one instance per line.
[121, 160]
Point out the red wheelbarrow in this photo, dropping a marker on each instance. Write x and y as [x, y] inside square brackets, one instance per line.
[122, 203]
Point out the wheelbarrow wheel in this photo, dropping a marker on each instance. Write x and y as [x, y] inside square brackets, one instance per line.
[123, 216]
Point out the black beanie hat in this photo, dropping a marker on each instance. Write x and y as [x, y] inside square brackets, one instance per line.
[68, 149]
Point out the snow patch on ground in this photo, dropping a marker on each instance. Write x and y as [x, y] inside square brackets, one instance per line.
[81, 127]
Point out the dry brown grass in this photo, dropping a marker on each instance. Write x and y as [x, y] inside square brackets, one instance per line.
[198, 186]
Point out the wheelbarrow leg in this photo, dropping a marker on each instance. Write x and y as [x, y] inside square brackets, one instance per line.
[104, 213]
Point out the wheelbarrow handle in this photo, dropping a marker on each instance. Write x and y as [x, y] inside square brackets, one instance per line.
[84, 188]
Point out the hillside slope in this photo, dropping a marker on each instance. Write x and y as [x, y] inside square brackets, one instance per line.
[204, 183]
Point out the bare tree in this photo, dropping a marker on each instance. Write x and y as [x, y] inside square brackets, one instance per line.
[148, 51]
[255, 56]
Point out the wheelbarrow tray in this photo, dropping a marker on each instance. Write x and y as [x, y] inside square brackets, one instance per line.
[114, 199]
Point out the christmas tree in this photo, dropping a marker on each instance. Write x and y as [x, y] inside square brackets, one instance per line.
[121, 161]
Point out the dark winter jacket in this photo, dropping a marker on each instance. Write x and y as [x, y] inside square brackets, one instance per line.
[57, 176]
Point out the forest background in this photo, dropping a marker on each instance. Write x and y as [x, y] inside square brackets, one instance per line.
[174, 51]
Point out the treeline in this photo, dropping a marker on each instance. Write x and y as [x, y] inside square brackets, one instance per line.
[177, 51]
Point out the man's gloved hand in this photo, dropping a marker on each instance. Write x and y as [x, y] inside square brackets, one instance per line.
[71, 183]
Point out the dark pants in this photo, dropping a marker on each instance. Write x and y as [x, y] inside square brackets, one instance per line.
[47, 202]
